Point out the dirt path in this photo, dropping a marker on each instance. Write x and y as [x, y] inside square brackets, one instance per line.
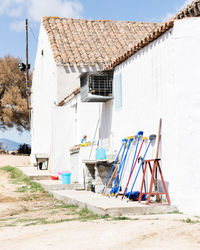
[32, 219]
[165, 233]
[14, 160]
[24, 203]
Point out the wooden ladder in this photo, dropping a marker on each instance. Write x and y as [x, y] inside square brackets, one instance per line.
[156, 167]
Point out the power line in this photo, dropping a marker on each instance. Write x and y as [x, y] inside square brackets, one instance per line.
[33, 33]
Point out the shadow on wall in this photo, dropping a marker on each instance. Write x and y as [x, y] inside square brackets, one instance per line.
[106, 122]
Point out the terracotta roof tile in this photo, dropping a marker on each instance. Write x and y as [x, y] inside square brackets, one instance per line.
[139, 45]
[76, 41]
[191, 10]
[142, 39]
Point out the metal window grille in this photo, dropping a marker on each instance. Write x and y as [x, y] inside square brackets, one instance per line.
[97, 86]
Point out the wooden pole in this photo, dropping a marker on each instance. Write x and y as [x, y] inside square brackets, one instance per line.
[27, 66]
[157, 154]
[159, 138]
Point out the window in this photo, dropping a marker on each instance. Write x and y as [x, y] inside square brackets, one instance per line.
[97, 86]
[118, 91]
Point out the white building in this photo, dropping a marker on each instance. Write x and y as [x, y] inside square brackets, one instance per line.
[66, 49]
[156, 74]
[162, 80]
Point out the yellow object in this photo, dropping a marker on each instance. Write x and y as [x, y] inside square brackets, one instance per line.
[129, 137]
[145, 138]
[85, 144]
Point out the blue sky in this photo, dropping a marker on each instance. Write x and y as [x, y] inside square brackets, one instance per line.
[14, 12]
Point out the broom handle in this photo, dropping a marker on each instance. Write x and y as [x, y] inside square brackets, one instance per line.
[157, 153]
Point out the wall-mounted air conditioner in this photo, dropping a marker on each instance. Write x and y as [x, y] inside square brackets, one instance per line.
[96, 87]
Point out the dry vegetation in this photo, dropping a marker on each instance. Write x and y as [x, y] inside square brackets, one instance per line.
[29, 216]
[26, 203]
[13, 95]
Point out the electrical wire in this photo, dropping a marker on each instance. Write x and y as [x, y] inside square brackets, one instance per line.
[32, 33]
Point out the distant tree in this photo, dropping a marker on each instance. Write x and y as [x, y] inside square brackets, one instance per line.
[2, 150]
[24, 149]
[13, 95]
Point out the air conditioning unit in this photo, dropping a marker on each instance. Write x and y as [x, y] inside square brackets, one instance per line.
[96, 87]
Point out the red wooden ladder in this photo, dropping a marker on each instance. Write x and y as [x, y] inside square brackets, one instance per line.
[156, 167]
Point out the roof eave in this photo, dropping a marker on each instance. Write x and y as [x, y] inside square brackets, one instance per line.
[143, 43]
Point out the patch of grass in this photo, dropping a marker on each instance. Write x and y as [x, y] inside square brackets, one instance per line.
[61, 220]
[106, 216]
[31, 219]
[121, 218]
[174, 212]
[29, 198]
[85, 215]
[65, 206]
[10, 225]
[22, 189]
[7, 219]
[84, 211]
[188, 220]
[19, 178]
[49, 222]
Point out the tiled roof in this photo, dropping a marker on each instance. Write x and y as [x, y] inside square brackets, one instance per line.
[69, 97]
[142, 43]
[191, 10]
[84, 42]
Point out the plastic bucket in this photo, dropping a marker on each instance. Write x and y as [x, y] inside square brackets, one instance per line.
[101, 154]
[66, 178]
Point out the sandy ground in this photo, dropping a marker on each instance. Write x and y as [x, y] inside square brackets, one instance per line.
[167, 232]
[14, 160]
[19, 210]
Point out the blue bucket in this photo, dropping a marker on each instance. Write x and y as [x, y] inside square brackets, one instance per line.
[101, 154]
[66, 178]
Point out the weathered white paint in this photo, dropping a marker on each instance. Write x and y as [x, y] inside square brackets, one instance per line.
[69, 123]
[54, 130]
[67, 82]
[43, 96]
[68, 79]
[162, 80]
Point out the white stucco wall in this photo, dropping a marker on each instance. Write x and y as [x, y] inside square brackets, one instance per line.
[162, 80]
[54, 129]
[187, 76]
[70, 122]
[68, 79]
[43, 96]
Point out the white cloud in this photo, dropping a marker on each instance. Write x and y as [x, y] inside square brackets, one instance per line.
[17, 26]
[12, 8]
[170, 15]
[34, 10]
[39, 8]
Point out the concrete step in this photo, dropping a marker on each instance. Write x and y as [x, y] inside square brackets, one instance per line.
[35, 174]
[102, 205]
[57, 185]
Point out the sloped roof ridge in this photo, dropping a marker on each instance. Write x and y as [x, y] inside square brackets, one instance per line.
[144, 42]
[191, 10]
[95, 20]
[92, 42]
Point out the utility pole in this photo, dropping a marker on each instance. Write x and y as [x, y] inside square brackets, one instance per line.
[27, 66]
